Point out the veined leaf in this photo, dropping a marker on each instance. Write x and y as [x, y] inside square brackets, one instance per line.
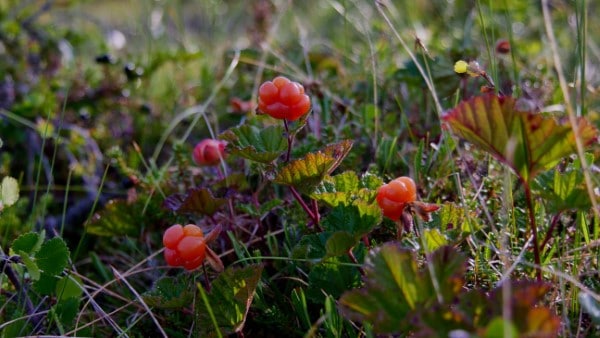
[305, 173]
[230, 298]
[527, 142]
[564, 190]
[260, 145]
[196, 201]
[169, 292]
[345, 188]
[53, 256]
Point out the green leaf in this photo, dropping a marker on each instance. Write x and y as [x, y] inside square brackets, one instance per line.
[230, 298]
[32, 268]
[28, 243]
[339, 243]
[169, 293]
[499, 328]
[312, 246]
[9, 192]
[68, 287]
[67, 310]
[357, 219]
[260, 145]
[434, 239]
[198, 201]
[345, 188]
[116, 219]
[53, 256]
[331, 277]
[46, 285]
[564, 190]
[529, 143]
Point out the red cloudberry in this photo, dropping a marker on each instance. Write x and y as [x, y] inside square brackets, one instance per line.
[283, 99]
[184, 246]
[209, 152]
[392, 197]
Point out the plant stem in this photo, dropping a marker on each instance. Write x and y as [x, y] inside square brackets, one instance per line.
[355, 261]
[309, 212]
[532, 223]
[290, 140]
[551, 229]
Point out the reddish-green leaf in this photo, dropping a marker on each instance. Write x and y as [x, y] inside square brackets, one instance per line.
[527, 142]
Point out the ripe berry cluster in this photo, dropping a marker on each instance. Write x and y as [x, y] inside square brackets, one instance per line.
[393, 197]
[283, 99]
[184, 246]
[209, 152]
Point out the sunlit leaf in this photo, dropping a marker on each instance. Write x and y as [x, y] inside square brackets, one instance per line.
[53, 256]
[529, 143]
[357, 219]
[169, 292]
[260, 145]
[230, 298]
[306, 172]
[198, 201]
[345, 188]
[434, 239]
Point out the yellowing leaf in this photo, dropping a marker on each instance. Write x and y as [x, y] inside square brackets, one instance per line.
[307, 172]
[527, 142]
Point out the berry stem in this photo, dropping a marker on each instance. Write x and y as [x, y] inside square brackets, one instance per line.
[290, 140]
[309, 212]
[355, 261]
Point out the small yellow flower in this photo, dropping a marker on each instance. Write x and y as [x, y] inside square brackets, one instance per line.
[461, 67]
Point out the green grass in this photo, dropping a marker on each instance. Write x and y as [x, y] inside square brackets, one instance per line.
[78, 133]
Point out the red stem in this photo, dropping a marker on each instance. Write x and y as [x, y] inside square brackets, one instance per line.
[304, 206]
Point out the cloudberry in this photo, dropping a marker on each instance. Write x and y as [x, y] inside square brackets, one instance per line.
[209, 152]
[184, 246]
[283, 99]
[392, 197]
